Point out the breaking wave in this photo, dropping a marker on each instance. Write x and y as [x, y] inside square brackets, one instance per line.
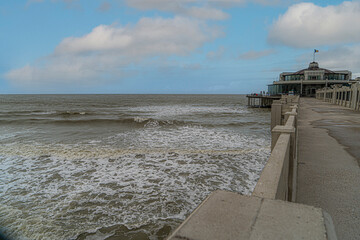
[135, 122]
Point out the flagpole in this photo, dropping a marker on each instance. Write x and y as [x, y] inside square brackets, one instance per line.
[315, 51]
[314, 56]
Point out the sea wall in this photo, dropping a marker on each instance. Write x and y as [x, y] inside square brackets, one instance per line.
[343, 96]
[278, 178]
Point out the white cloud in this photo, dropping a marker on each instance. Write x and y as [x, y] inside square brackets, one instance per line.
[150, 36]
[202, 9]
[206, 13]
[55, 73]
[193, 8]
[107, 50]
[309, 25]
[274, 2]
[163, 5]
[167, 5]
[252, 55]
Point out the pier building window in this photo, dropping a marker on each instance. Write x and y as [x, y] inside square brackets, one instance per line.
[316, 77]
[293, 77]
[336, 76]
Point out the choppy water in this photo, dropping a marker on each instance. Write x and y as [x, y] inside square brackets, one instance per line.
[121, 166]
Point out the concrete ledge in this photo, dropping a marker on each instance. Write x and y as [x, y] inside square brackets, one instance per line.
[226, 215]
[277, 131]
[290, 119]
[273, 182]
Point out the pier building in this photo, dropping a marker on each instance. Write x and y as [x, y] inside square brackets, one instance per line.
[305, 82]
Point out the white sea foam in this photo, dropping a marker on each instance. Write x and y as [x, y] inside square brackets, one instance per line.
[192, 137]
[91, 187]
[61, 180]
[175, 110]
[140, 119]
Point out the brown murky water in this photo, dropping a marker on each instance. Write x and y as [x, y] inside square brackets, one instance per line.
[121, 166]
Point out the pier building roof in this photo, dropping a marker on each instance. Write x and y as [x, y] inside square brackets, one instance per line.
[314, 66]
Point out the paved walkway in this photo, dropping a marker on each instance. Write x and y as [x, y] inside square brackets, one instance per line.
[329, 158]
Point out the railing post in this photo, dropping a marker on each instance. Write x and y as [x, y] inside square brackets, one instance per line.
[341, 97]
[276, 109]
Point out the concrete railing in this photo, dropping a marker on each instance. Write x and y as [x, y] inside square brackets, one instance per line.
[343, 96]
[278, 178]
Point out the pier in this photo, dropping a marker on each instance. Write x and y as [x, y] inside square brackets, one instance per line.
[309, 188]
[261, 101]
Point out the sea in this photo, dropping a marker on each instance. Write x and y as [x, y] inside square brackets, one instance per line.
[122, 166]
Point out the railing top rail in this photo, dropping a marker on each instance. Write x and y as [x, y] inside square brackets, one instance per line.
[291, 121]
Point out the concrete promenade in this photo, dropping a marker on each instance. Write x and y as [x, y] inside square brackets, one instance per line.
[328, 163]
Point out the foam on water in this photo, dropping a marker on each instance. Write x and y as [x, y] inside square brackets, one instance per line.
[175, 110]
[72, 189]
[131, 189]
[137, 180]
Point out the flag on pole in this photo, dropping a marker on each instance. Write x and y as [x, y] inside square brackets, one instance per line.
[315, 51]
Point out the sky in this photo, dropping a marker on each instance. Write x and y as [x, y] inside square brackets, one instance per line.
[170, 46]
